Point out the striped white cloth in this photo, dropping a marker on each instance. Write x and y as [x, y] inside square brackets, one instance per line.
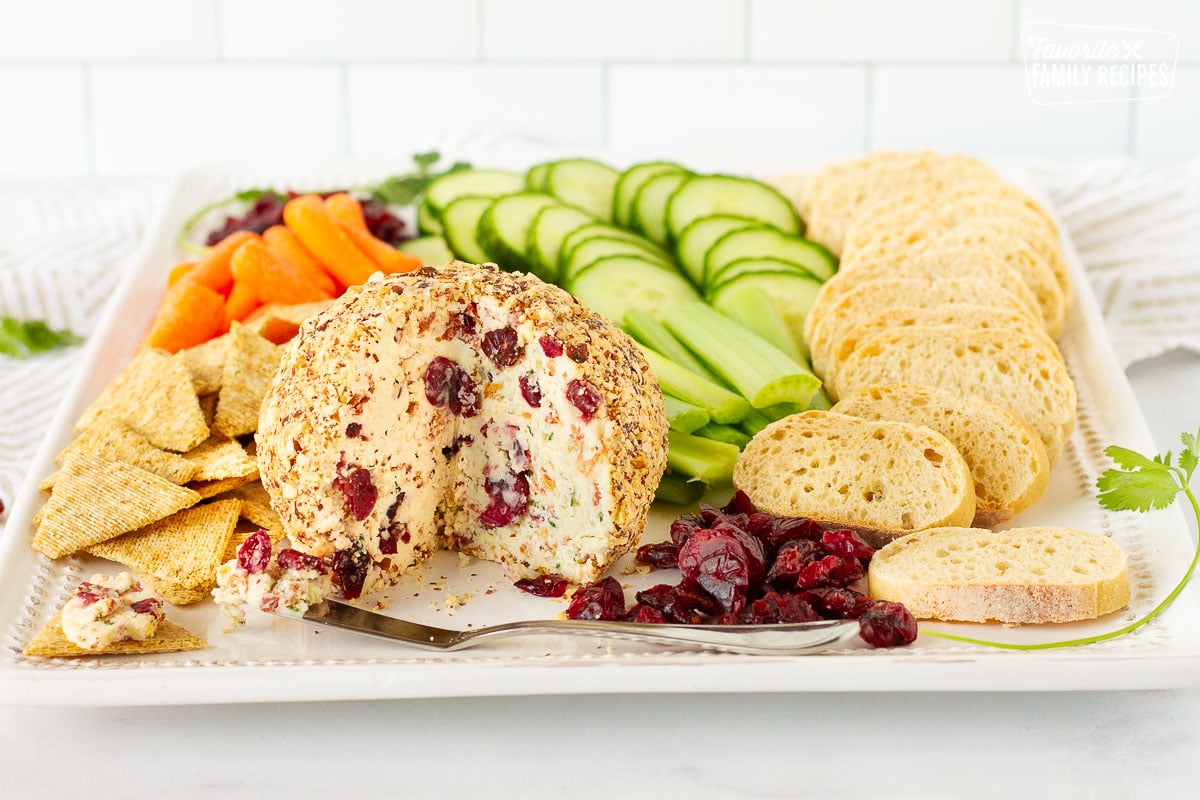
[62, 250]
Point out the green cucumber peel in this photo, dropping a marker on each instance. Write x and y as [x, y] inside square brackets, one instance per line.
[1138, 484]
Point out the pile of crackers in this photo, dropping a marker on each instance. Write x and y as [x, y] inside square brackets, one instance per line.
[162, 476]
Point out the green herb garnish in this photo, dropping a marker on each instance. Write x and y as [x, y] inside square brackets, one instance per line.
[1138, 484]
[24, 339]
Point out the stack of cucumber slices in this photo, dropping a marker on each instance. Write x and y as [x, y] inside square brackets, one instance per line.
[644, 247]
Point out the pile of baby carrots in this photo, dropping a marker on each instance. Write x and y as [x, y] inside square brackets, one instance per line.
[323, 246]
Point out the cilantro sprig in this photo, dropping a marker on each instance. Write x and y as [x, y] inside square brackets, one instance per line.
[1138, 483]
[24, 339]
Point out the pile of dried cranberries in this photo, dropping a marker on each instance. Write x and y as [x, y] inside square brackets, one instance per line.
[741, 566]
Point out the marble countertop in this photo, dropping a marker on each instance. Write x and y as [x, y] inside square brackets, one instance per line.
[827, 745]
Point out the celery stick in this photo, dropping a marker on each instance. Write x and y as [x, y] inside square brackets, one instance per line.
[722, 405]
[649, 331]
[724, 433]
[781, 410]
[752, 307]
[754, 422]
[704, 459]
[820, 402]
[682, 416]
[758, 370]
[678, 490]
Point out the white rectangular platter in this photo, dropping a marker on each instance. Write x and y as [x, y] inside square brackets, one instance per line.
[275, 659]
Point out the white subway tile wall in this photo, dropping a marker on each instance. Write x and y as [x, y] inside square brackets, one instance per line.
[144, 87]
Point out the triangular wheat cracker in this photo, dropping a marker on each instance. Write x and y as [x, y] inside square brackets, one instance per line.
[221, 458]
[208, 407]
[177, 594]
[256, 506]
[183, 549]
[239, 538]
[155, 397]
[278, 323]
[51, 642]
[207, 489]
[206, 362]
[113, 440]
[96, 499]
[248, 372]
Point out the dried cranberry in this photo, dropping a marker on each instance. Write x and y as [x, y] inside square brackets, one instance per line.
[843, 542]
[255, 553]
[847, 571]
[394, 530]
[503, 347]
[355, 483]
[646, 614]
[818, 572]
[835, 600]
[780, 530]
[382, 223]
[604, 599]
[551, 346]
[774, 608]
[441, 381]
[353, 430]
[350, 570]
[87, 594]
[739, 504]
[726, 562]
[668, 600]
[584, 397]
[531, 391]
[887, 624]
[509, 500]
[544, 585]
[294, 559]
[466, 399]
[149, 605]
[660, 555]
[265, 212]
[790, 562]
[685, 527]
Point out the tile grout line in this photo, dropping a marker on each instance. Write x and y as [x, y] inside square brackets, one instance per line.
[218, 18]
[481, 32]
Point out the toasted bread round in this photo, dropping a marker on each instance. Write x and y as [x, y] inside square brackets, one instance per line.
[834, 313]
[1014, 371]
[1022, 575]
[964, 246]
[886, 479]
[1007, 459]
[968, 315]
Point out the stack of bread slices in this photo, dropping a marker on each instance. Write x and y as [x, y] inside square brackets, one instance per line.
[937, 339]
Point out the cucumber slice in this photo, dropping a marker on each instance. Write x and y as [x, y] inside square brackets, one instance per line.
[432, 250]
[601, 230]
[698, 238]
[614, 285]
[550, 228]
[504, 228]
[592, 250]
[706, 195]
[630, 181]
[744, 265]
[792, 293]
[427, 221]
[535, 178]
[650, 205]
[471, 183]
[585, 184]
[461, 219]
[767, 243]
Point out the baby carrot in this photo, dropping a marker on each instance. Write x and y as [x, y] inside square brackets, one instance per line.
[213, 269]
[191, 314]
[241, 301]
[324, 238]
[269, 279]
[284, 245]
[348, 213]
[179, 271]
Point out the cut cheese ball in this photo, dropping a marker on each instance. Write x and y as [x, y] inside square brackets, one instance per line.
[885, 479]
[834, 312]
[1011, 370]
[1007, 459]
[461, 408]
[1022, 575]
